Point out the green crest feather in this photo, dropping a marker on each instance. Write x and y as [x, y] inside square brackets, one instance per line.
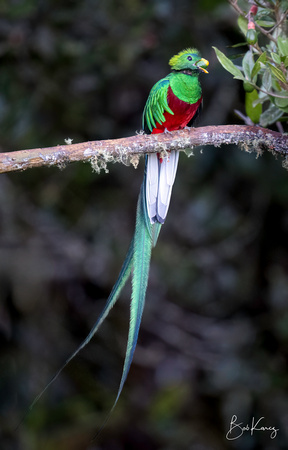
[175, 59]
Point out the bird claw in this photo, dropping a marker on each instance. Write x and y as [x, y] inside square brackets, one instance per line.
[189, 128]
[166, 131]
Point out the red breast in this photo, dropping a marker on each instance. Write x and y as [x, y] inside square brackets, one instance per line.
[183, 113]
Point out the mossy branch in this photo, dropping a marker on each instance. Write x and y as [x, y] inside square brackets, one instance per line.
[128, 150]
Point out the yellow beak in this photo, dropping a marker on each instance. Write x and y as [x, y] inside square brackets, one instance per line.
[202, 64]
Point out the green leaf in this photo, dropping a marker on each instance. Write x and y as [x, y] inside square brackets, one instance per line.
[285, 110]
[255, 70]
[282, 103]
[262, 58]
[283, 45]
[237, 55]
[265, 23]
[243, 24]
[261, 99]
[277, 73]
[267, 80]
[241, 44]
[248, 64]
[283, 119]
[258, 66]
[276, 58]
[263, 12]
[283, 5]
[228, 65]
[270, 116]
[254, 112]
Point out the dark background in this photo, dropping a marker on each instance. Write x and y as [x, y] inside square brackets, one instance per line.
[214, 337]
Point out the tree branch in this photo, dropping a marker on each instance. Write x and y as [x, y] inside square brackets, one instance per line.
[127, 150]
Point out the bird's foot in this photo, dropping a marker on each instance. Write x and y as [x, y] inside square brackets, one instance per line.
[166, 131]
[189, 128]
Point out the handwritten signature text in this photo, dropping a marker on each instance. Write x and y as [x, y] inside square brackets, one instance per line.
[237, 429]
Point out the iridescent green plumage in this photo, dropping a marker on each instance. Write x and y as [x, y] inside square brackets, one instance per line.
[185, 88]
[137, 261]
[156, 104]
[173, 103]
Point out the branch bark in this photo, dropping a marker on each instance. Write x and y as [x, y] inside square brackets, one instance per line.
[127, 150]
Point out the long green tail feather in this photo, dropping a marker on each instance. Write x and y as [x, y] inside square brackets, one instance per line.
[141, 263]
[143, 241]
[113, 297]
[137, 258]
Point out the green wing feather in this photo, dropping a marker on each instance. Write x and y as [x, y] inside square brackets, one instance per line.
[156, 105]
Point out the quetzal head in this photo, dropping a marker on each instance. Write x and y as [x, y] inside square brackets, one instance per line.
[189, 60]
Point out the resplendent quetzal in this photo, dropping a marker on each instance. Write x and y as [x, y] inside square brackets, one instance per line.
[173, 104]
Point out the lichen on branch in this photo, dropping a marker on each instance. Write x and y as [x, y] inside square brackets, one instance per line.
[128, 150]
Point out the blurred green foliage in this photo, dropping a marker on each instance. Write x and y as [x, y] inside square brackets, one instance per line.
[214, 340]
[264, 66]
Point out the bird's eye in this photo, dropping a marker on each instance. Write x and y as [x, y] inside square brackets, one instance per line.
[189, 58]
